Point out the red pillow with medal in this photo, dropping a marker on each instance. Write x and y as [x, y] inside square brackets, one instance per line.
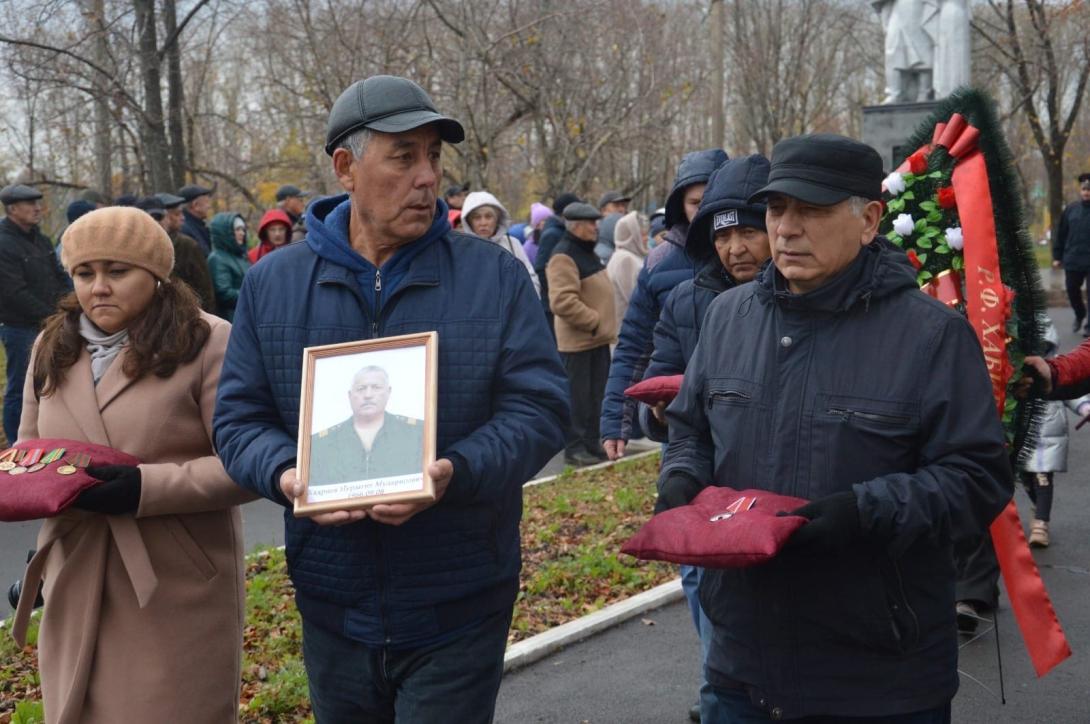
[654, 390]
[720, 528]
[40, 478]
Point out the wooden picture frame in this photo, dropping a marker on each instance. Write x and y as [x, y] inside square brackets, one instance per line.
[362, 442]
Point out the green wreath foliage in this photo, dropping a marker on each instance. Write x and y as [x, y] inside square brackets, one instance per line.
[932, 241]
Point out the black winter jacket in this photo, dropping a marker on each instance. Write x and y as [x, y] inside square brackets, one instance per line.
[31, 280]
[1072, 245]
[865, 385]
[678, 330]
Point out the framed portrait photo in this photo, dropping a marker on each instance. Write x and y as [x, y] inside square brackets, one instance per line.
[367, 423]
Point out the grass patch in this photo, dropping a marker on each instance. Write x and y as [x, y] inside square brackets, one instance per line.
[572, 531]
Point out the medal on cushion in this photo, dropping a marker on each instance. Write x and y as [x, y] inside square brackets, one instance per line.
[31, 457]
[51, 457]
[74, 463]
[8, 458]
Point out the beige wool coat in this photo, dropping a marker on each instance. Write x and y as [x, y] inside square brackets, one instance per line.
[144, 613]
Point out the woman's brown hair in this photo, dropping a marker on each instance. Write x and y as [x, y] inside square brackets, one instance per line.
[169, 333]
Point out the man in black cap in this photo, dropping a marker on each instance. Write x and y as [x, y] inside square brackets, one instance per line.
[198, 204]
[1071, 250]
[405, 606]
[31, 282]
[292, 201]
[585, 321]
[456, 195]
[190, 263]
[832, 378]
[612, 205]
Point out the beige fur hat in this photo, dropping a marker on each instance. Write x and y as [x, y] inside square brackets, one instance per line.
[118, 233]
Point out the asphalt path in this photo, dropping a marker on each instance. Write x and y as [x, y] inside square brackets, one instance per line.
[647, 670]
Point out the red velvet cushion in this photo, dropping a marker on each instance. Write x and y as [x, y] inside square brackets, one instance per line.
[719, 529]
[46, 493]
[654, 390]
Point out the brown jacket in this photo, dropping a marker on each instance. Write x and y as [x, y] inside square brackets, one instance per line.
[143, 613]
[580, 297]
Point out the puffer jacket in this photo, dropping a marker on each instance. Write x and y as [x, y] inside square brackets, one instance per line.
[666, 267]
[227, 263]
[863, 385]
[1049, 455]
[678, 329]
[502, 410]
[501, 238]
[630, 251]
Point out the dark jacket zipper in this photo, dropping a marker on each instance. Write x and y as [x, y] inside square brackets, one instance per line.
[871, 416]
[378, 303]
[727, 396]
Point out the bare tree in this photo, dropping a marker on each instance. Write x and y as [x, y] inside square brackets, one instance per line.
[1043, 51]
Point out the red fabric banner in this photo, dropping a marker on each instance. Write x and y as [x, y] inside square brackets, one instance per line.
[989, 308]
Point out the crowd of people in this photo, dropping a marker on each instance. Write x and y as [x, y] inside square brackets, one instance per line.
[175, 334]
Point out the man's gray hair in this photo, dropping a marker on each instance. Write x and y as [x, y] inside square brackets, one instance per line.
[371, 368]
[857, 204]
[356, 143]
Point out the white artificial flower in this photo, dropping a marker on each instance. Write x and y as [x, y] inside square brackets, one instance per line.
[954, 239]
[895, 183]
[904, 225]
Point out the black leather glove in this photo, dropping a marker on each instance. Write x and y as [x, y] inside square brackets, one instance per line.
[676, 490]
[118, 493]
[834, 523]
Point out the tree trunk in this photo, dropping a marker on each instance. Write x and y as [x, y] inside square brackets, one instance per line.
[103, 145]
[153, 135]
[717, 36]
[1054, 168]
[175, 97]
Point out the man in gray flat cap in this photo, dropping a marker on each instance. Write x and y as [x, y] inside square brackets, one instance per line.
[198, 205]
[405, 606]
[31, 282]
[581, 300]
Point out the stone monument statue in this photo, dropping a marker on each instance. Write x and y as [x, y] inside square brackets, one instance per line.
[927, 48]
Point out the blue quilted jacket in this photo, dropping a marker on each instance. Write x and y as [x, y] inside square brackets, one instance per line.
[502, 408]
[667, 266]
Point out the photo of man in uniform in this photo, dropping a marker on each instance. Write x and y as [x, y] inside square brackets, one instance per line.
[372, 443]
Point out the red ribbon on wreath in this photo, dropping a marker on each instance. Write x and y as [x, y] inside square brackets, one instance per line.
[989, 308]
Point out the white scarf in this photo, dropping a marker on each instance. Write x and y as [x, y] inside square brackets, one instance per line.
[103, 347]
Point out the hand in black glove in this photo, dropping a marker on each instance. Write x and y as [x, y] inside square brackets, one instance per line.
[118, 493]
[834, 523]
[676, 490]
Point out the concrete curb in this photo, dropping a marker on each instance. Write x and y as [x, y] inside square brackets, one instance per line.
[538, 647]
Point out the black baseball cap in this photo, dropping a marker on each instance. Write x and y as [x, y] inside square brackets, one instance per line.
[387, 104]
[287, 191]
[1084, 178]
[823, 169]
[455, 190]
